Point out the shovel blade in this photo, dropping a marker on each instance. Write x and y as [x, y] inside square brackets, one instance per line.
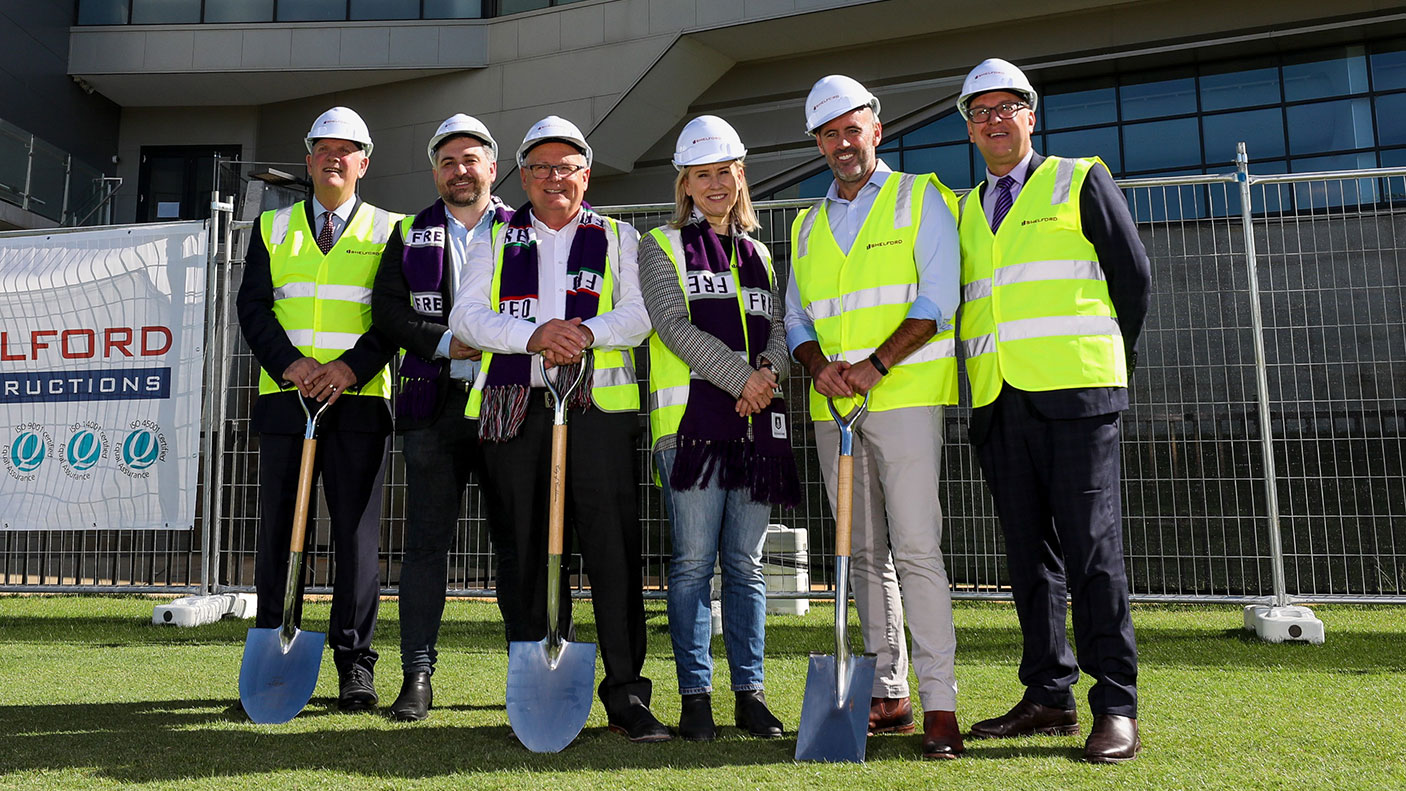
[274, 684]
[834, 729]
[548, 705]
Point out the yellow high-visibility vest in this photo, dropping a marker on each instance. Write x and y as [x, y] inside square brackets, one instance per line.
[1035, 306]
[322, 301]
[856, 301]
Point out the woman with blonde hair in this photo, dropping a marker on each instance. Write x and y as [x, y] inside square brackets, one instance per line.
[722, 452]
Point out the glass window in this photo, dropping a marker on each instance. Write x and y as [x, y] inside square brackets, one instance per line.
[1156, 99]
[1158, 145]
[951, 163]
[1330, 126]
[816, 186]
[1322, 77]
[892, 159]
[102, 12]
[453, 9]
[385, 9]
[1264, 198]
[1391, 119]
[157, 12]
[1394, 158]
[1331, 193]
[506, 7]
[1102, 142]
[889, 144]
[1262, 132]
[947, 129]
[238, 10]
[1389, 68]
[1172, 202]
[1226, 87]
[311, 10]
[1080, 108]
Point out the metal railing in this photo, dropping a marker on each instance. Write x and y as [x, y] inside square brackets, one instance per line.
[40, 178]
[1296, 417]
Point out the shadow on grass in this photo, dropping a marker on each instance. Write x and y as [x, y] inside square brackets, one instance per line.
[165, 741]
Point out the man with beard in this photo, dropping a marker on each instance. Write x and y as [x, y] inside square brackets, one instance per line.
[420, 271]
[869, 310]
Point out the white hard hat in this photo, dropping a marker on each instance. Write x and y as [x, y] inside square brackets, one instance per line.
[994, 74]
[553, 128]
[832, 97]
[460, 124]
[706, 140]
[341, 123]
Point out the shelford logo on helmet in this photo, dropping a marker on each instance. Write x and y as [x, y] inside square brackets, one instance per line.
[832, 97]
[55, 346]
[698, 140]
[28, 447]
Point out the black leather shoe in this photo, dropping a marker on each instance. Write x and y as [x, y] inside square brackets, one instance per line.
[356, 690]
[638, 724]
[1113, 740]
[696, 720]
[1028, 719]
[754, 717]
[415, 698]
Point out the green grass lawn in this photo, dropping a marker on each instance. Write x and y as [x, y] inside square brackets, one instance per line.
[93, 696]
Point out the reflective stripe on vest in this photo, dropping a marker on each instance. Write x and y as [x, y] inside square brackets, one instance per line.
[856, 301]
[323, 302]
[1035, 306]
[669, 375]
[614, 385]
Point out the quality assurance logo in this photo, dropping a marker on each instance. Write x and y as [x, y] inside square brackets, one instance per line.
[26, 451]
[141, 449]
[87, 445]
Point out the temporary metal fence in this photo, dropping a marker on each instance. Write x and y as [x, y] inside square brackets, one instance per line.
[1263, 456]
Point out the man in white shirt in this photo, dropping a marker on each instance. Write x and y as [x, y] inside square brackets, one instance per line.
[560, 281]
[415, 284]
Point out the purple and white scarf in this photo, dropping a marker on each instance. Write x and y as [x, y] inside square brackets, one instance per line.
[423, 263]
[509, 382]
[712, 438]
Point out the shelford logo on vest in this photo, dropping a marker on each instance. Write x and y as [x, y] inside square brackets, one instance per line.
[1037, 219]
[885, 243]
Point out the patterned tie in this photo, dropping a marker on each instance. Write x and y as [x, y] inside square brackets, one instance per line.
[1003, 201]
[324, 237]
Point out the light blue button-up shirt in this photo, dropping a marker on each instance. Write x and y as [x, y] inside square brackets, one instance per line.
[459, 239]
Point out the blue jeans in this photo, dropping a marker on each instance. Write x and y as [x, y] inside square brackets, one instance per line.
[708, 524]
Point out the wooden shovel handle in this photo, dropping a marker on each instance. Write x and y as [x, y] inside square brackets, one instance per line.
[844, 506]
[557, 516]
[300, 508]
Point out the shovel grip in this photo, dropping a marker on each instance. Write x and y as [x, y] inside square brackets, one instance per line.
[844, 506]
[557, 515]
[300, 507]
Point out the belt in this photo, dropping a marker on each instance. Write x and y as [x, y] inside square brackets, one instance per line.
[462, 385]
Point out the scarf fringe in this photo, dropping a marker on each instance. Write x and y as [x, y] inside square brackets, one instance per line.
[501, 412]
[737, 464]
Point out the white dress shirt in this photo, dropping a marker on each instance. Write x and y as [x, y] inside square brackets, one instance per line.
[340, 217]
[936, 251]
[473, 319]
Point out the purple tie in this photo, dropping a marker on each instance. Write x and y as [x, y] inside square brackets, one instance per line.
[324, 237]
[1003, 201]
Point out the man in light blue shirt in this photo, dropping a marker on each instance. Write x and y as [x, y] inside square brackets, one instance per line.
[415, 286]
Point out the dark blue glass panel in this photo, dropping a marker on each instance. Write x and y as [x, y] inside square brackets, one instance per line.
[1336, 76]
[951, 163]
[385, 9]
[1389, 69]
[1102, 143]
[947, 129]
[1227, 90]
[506, 7]
[238, 10]
[816, 186]
[453, 9]
[102, 12]
[1264, 198]
[1080, 108]
[1262, 132]
[1330, 126]
[311, 10]
[892, 158]
[1394, 158]
[1331, 193]
[1391, 119]
[1159, 145]
[1171, 202]
[162, 12]
[1157, 99]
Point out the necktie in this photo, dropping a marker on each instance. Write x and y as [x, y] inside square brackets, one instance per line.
[1003, 201]
[324, 237]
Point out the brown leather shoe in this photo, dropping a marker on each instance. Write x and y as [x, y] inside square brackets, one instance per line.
[890, 715]
[941, 736]
[1112, 740]
[1028, 719]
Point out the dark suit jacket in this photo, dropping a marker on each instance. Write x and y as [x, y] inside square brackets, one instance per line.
[279, 413]
[394, 316]
[1110, 229]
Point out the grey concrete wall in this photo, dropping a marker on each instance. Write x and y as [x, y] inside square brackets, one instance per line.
[179, 126]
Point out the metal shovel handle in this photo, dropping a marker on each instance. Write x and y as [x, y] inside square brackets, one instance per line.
[844, 522]
[556, 513]
[298, 535]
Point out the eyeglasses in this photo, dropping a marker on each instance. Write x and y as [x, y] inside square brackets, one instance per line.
[542, 171]
[1004, 111]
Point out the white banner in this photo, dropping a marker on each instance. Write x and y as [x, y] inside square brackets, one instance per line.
[102, 351]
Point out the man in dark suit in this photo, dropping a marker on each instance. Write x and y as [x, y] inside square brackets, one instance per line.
[1055, 286]
[414, 291]
[305, 309]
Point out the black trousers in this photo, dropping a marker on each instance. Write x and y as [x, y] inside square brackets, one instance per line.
[602, 511]
[438, 461]
[352, 468]
[1056, 484]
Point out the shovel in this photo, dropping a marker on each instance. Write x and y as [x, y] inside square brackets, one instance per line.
[835, 712]
[280, 666]
[551, 682]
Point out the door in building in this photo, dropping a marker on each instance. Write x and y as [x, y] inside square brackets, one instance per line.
[176, 182]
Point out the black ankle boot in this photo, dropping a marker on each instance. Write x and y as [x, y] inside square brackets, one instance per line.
[754, 717]
[415, 698]
[696, 720]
